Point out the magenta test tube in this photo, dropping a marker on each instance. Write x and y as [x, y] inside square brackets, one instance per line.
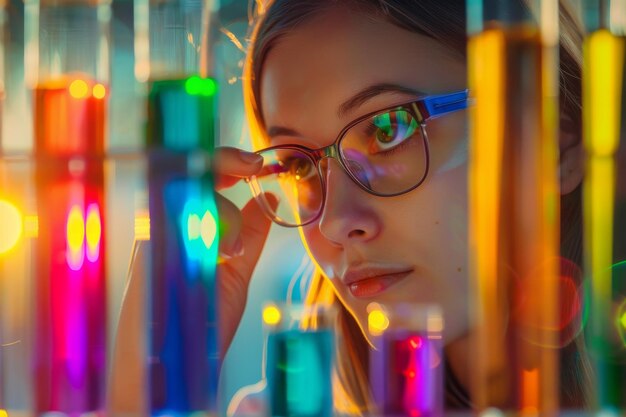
[406, 365]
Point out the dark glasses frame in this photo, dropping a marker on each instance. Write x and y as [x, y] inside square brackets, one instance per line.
[422, 109]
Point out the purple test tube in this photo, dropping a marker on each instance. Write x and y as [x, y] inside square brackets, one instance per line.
[406, 365]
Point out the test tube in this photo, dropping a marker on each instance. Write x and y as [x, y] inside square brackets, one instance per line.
[4, 205]
[406, 363]
[172, 52]
[514, 204]
[603, 69]
[300, 359]
[67, 53]
[3, 19]
[18, 222]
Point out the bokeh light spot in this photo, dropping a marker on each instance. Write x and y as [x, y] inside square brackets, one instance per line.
[200, 86]
[415, 342]
[208, 229]
[271, 315]
[99, 91]
[209, 87]
[11, 226]
[78, 89]
[75, 238]
[193, 226]
[93, 229]
[377, 321]
[193, 85]
[75, 228]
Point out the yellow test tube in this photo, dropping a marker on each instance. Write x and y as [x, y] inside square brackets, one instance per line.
[514, 204]
[603, 66]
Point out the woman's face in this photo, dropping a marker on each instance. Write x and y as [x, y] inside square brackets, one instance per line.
[409, 248]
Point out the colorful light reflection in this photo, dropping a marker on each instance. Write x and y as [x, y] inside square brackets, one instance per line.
[201, 229]
[93, 232]
[75, 253]
[11, 226]
[81, 231]
[406, 372]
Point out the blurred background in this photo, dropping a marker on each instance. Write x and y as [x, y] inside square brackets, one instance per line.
[281, 266]
[284, 267]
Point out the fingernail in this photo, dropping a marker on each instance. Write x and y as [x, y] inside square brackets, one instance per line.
[235, 251]
[249, 157]
[238, 247]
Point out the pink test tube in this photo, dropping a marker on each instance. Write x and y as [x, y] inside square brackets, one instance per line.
[70, 98]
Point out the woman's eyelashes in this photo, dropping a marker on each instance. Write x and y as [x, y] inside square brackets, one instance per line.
[388, 131]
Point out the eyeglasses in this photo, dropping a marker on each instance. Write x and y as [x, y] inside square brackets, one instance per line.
[386, 153]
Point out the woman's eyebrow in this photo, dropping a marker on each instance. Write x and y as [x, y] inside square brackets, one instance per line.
[352, 103]
[274, 131]
[370, 92]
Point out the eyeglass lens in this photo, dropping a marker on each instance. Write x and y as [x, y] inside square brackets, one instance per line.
[386, 154]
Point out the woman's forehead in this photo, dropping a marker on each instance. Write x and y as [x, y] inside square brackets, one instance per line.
[311, 71]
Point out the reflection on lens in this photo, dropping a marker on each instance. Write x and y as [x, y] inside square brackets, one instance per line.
[292, 176]
[387, 154]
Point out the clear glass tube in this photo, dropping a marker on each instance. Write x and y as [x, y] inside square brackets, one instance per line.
[514, 203]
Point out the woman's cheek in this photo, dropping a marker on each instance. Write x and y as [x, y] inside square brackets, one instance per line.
[319, 248]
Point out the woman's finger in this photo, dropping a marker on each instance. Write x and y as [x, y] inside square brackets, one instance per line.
[234, 274]
[232, 164]
[230, 228]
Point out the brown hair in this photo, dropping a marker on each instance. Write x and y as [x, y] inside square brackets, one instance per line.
[443, 21]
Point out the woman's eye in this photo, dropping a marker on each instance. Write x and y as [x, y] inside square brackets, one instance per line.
[299, 168]
[391, 129]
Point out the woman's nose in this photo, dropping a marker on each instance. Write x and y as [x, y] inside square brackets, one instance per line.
[348, 215]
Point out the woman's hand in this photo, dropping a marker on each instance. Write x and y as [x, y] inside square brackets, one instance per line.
[243, 234]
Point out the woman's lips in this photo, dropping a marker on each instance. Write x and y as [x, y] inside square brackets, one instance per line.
[370, 287]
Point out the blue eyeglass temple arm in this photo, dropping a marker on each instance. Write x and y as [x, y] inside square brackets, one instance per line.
[440, 104]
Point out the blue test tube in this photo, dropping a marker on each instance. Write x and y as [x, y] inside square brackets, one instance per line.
[172, 51]
[184, 350]
[300, 360]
